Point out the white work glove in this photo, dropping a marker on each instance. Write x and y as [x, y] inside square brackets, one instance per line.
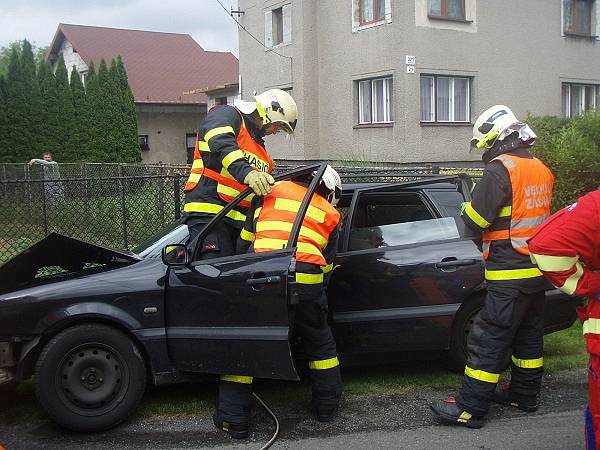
[260, 182]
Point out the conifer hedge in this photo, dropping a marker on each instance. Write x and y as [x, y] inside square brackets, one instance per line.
[41, 110]
[571, 148]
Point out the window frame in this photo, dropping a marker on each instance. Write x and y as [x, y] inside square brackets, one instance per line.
[361, 21]
[143, 142]
[574, 31]
[444, 12]
[434, 105]
[566, 106]
[388, 94]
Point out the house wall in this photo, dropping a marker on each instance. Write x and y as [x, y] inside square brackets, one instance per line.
[514, 51]
[166, 127]
[72, 58]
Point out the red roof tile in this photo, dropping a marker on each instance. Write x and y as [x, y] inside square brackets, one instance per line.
[160, 66]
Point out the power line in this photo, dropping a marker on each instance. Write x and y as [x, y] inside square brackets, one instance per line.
[251, 35]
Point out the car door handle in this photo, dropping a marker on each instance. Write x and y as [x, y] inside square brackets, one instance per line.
[447, 262]
[264, 280]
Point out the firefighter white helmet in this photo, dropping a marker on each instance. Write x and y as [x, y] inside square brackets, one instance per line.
[277, 106]
[333, 184]
[495, 124]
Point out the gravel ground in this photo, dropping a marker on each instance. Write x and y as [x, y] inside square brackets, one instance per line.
[385, 421]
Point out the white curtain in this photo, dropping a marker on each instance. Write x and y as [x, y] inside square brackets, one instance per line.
[566, 93]
[364, 105]
[367, 10]
[454, 9]
[378, 101]
[461, 99]
[435, 7]
[584, 9]
[426, 99]
[443, 99]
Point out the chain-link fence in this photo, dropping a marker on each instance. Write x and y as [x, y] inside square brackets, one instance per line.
[120, 205]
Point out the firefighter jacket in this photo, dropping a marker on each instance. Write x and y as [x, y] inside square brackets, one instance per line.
[567, 250]
[227, 149]
[512, 199]
[270, 222]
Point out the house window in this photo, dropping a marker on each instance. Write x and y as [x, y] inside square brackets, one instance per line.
[370, 11]
[578, 16]
[445, 99]
[447, 9]
[190, 144]
[278, 26]
[83, 75]
[578, 98]
[143, 142]
[375, 101]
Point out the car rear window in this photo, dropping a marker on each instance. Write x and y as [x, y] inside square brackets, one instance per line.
[390, 219]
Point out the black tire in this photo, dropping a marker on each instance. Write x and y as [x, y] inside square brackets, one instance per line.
[90, 377]
[463, 321]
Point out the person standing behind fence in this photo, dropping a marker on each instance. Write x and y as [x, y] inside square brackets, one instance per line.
[53, 188]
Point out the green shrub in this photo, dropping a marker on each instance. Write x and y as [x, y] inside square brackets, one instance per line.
[571, 148]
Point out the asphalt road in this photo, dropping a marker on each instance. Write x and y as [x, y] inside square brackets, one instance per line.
[395, 421]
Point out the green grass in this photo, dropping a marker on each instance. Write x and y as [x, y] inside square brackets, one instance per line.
[564, 350]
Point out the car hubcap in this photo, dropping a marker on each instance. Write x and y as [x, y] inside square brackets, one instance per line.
[92, 379]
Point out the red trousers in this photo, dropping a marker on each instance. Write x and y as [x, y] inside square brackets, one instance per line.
[592, 414]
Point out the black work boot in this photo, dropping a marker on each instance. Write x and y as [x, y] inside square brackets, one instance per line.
[326, 392]
[505, 396]
[233, 408]
[448, 412]
[236, 431]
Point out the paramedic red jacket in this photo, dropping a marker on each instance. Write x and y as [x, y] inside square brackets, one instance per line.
[566, 248]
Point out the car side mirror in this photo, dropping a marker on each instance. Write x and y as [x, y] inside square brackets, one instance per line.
[175, 255]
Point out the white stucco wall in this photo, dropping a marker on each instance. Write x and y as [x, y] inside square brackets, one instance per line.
[514, 52]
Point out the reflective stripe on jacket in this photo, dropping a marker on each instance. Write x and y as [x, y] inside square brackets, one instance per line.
[532, 186]
[227, 187]
[277, 216]
[589, 316]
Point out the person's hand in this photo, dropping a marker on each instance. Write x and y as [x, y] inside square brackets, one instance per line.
[30, 162]
[260, 182]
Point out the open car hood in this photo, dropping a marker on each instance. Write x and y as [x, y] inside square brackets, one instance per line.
[57, 254]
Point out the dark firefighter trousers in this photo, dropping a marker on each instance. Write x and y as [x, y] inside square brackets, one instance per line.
[310, 327]
[511, 323]
[314, 334]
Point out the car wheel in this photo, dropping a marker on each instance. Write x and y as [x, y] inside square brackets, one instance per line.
[461, 327]
[90, 377]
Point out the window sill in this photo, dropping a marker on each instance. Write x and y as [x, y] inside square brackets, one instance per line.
[446, 124]
[580, 35]
[449, 19]
[373, 125]
[366, 26]
[277, 46]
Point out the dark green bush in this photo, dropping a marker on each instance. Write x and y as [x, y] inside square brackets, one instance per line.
[571, 148]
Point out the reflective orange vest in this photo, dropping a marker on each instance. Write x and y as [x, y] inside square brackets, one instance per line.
[228, 187]
[277, 215]
[532, 185]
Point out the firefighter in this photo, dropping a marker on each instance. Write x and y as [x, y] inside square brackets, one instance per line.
[267, 228]
[567, 251]
[230, 156]
[510, 202]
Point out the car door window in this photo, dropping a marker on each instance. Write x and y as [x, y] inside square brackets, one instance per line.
[397, 219]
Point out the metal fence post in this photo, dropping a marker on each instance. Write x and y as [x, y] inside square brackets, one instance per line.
[86, 206]
[177, 194]
[161, 195]
[44, 209]
[123, 209]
